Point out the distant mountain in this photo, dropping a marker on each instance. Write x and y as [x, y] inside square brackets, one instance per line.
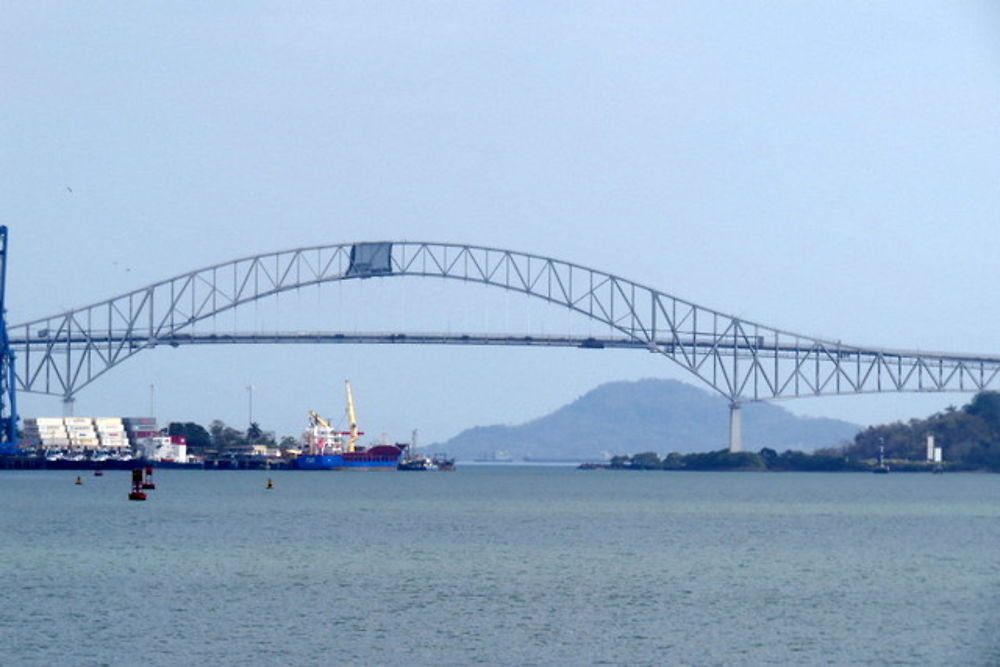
[648, 415]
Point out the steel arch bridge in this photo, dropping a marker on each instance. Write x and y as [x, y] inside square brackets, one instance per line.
[742, 360]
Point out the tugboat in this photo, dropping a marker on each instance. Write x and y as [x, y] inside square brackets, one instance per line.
[416, 463]
[443, 462]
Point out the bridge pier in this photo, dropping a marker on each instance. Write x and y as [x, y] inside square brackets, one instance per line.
[68, 406]
[735, 428]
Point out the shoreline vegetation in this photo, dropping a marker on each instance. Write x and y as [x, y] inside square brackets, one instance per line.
[767, 460]
[969, 438]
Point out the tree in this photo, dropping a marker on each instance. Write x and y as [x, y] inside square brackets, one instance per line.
[225, 437]
[769, 455]
[647, 461]
[619, 461]
[198, 439]
[254, 433]
[673, 461]
[986, 406]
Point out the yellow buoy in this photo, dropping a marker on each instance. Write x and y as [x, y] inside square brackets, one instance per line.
[270, 484]
[78, 480]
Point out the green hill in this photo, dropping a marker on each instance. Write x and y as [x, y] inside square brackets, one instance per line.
[647, 415]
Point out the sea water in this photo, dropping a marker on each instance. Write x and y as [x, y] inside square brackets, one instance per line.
[500, 565]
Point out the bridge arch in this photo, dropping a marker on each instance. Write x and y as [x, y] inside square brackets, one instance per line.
[744, 361]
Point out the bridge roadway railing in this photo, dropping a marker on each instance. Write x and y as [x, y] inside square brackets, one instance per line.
[742, 360]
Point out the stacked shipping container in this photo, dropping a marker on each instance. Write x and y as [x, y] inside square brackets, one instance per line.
[113, 434]
[45, 432]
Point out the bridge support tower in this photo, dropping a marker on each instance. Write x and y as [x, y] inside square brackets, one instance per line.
[735, 428]
[8, 381]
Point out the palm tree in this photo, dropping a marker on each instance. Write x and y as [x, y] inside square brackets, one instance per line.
[254, 433]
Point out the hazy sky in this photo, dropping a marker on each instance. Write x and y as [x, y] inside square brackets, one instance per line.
[831, 168]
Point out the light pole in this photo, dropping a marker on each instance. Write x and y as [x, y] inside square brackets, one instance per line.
[250, 407]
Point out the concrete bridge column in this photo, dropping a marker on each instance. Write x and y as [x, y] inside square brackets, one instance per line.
[68, 406]
[735, 428]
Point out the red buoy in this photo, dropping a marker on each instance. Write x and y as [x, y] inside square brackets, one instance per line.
[148, 482]
[137, 493]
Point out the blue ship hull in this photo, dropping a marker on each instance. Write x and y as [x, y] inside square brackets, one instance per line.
[371, 460]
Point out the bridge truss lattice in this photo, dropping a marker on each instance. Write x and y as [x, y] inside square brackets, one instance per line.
[744, 361]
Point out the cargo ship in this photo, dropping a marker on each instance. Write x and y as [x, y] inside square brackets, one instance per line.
[326, 449]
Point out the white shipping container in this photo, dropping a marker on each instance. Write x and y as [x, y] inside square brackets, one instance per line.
[45, 429]
[56, 421]
[107, 420]
[76, 420]
[59, 442]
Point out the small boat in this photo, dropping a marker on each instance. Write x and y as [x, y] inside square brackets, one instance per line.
[442, 462]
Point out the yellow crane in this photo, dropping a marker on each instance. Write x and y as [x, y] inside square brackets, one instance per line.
[352, 419]
[316, 419]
